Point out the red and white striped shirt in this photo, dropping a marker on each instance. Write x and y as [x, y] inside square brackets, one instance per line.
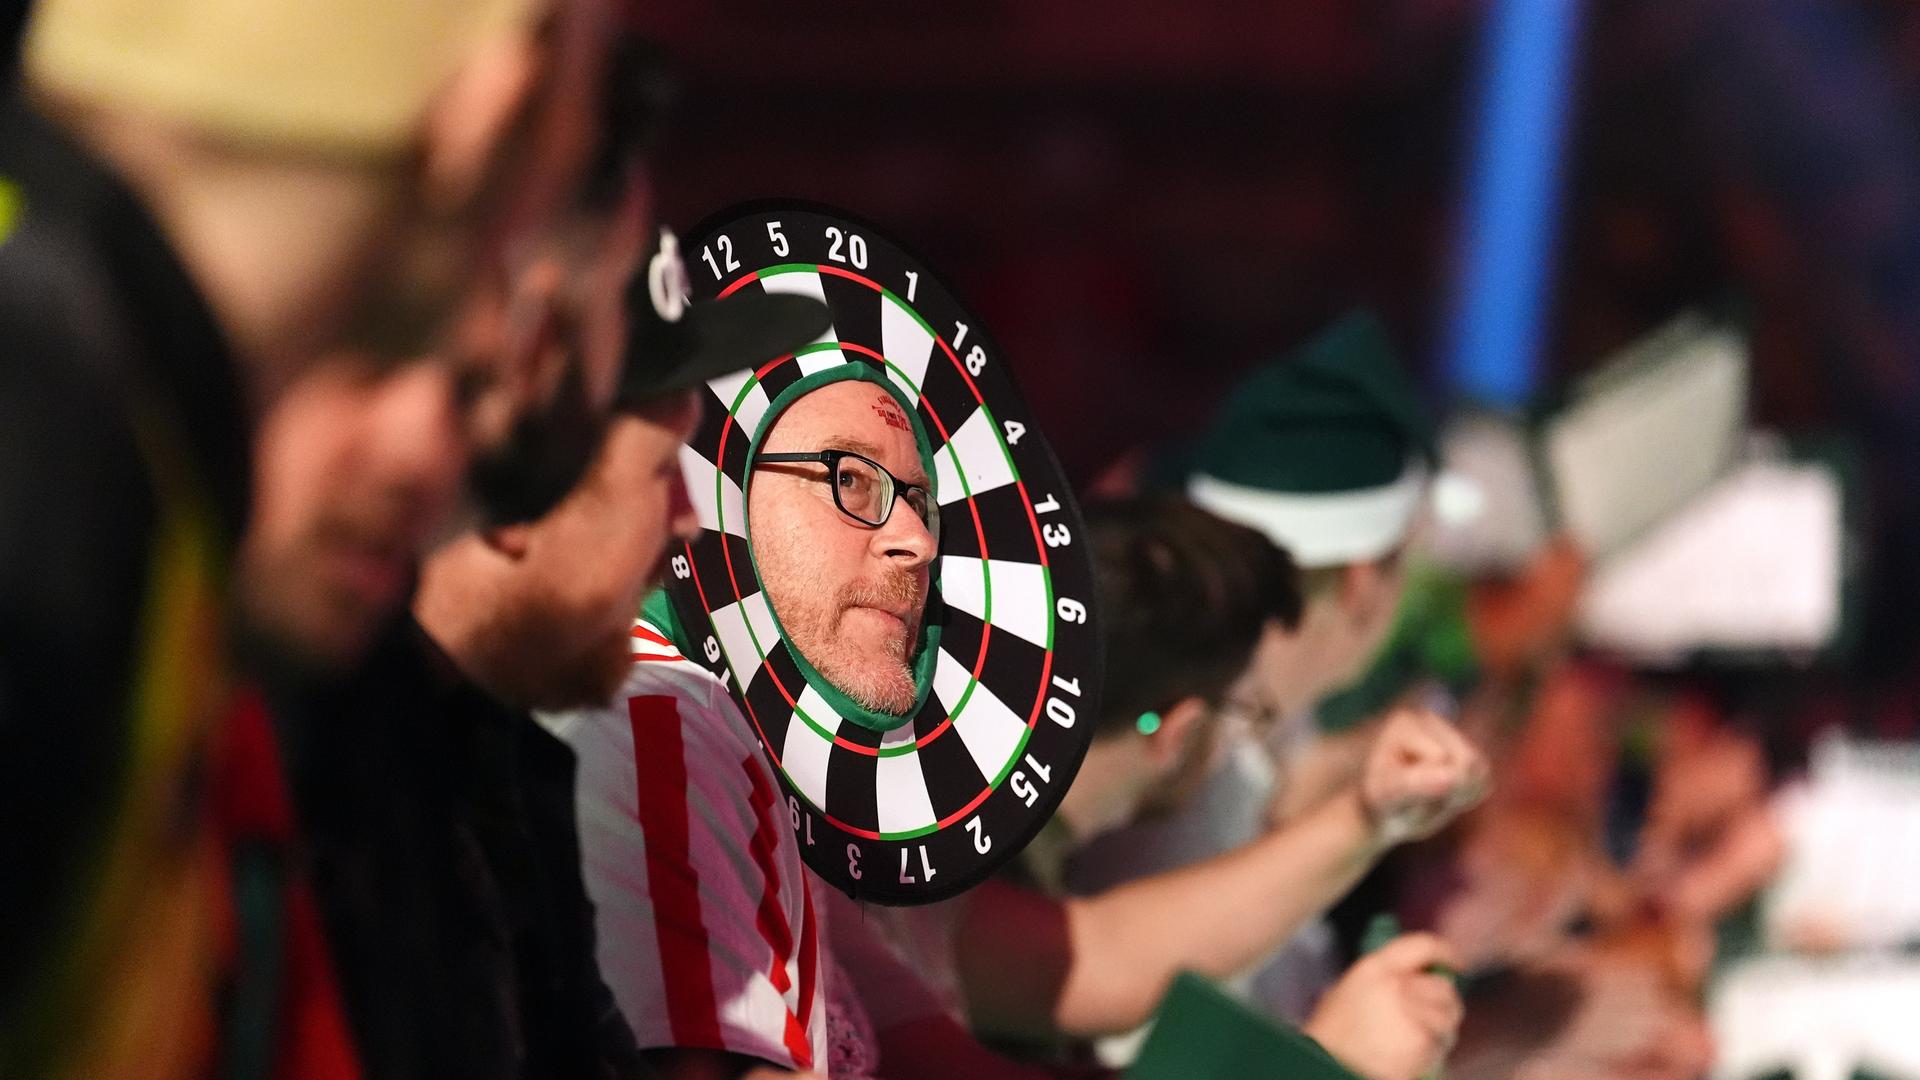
[707, 932]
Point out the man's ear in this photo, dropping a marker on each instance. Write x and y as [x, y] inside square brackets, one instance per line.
[509, 540]
[1179, 724]
[472, 115]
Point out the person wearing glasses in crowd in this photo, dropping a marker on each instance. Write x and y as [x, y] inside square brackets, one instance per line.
[1328, 452]
[1188, 600]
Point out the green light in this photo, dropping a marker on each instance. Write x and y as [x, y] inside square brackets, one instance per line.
[1148, 723]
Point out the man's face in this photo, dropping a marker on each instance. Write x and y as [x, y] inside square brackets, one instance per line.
[1369, 616]
[591, 561]
[356, 468]
[850, 596]
[1346, 620]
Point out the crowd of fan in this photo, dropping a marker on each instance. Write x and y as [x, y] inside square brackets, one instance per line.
[341, 452]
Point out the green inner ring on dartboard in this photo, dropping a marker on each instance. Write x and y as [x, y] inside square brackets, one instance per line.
[986, 613]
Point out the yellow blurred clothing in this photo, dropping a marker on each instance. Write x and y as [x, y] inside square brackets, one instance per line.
[156, 923]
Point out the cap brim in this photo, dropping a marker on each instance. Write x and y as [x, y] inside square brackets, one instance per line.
[716, 337]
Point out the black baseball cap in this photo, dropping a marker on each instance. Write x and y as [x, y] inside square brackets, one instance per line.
[674, 343]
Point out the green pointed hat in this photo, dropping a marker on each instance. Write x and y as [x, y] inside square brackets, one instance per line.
[1327, 450]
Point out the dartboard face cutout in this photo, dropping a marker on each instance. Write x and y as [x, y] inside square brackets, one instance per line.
[918, 808]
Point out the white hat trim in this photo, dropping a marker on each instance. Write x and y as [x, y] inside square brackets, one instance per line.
[1329, 529]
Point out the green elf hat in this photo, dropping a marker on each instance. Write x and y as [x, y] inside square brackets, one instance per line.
[1328, 450]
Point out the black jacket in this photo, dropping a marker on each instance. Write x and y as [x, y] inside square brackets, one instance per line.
[445, 859]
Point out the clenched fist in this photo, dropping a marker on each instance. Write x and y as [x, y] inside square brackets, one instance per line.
[1420, 774]
[1389, 1017]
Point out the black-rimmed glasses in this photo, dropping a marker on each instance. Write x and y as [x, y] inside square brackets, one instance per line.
[863, 489]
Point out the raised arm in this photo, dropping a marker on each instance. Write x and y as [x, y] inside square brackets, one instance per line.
[1094, 965]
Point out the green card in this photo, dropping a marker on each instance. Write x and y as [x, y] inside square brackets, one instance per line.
[1202, 1034]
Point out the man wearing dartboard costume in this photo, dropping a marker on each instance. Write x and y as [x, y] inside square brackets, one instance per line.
[727, 954]
[893, 711]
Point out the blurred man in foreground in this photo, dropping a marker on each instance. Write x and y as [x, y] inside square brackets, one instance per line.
[361, 464]
[194, 208]
[439, 819]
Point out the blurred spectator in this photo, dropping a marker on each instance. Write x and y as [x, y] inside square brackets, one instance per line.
[440, 818]
[416, 880]
[359, 465]
[1023, 961]
[1328, 453]
[196, 209]
[454, 909]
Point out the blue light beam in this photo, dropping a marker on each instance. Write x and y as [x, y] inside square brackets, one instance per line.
[1511, 202]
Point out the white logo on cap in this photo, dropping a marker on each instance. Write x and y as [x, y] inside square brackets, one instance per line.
[667, 279]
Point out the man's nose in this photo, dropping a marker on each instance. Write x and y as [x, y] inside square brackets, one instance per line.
[905, 538]
[417, 438]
